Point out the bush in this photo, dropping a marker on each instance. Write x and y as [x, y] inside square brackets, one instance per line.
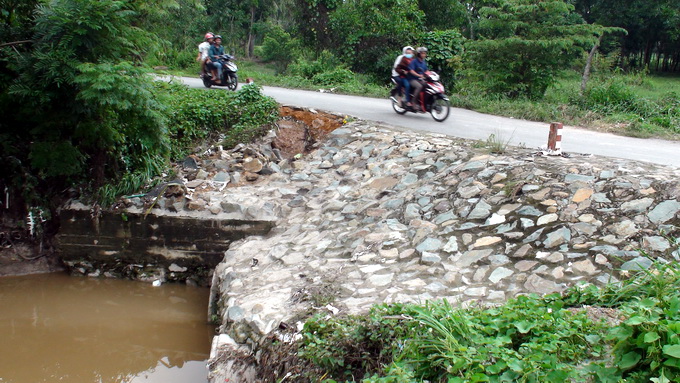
[279, 47]
[196, 114]
[308, 68]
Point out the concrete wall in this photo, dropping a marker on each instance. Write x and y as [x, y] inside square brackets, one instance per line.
[158, 247]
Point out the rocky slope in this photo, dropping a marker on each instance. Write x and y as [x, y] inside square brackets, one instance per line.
[375, 215]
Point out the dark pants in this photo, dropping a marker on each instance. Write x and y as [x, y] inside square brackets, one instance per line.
[417, 87]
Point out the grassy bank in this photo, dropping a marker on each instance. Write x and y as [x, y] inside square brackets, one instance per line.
[625, 332]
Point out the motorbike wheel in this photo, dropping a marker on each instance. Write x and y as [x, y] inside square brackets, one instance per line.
[207, 82]
[233, 83]
[440, 109]
[397, 107]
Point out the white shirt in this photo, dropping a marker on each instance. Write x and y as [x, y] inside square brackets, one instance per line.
[394, 67]
[203, 48]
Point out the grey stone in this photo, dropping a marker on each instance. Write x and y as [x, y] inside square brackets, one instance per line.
[341, 132]
[585, 266]
[624, 228]
[536, 284]
[664, 211]
[526, 223]
[606, 174]
[639, 263]
[201, 174]
[584, 228]
[601, 198]
[176, 268]
[473, 256]
[412, 212]
[409, 179]
[546, 219]
[222, 177]
[394, 203]
[505, 228]
[469, 191]
[495, 219]
[499, 259]
[534, 236]
[500, 274]
[429, 244]
[448, 216]
[557, 237]
[429, 258]
[637, 206]
[476, 291]
[656, 243]
[569, 178]
[189, 163]
[481, 211]
[529, 210]
[235, 313]
[525, 265]
[451, 245]
[474, 165]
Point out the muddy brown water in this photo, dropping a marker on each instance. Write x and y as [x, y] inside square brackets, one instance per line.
[78, 330]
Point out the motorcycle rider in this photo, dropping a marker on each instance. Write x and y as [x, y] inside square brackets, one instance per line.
[416, 74]
[203, 49]
[216, 50]
[399, 76]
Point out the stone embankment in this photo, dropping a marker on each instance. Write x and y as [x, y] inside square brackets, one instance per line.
[374, 215]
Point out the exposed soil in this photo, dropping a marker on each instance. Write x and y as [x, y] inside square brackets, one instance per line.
[23, 258]
[300, 129]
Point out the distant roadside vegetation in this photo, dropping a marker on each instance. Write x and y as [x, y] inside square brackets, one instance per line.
[602, 64]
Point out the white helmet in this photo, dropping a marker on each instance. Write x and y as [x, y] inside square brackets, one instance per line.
[406, 48]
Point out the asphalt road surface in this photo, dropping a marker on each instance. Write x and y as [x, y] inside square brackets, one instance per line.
[473, 125]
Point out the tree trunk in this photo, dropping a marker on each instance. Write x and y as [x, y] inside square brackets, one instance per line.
[250, 43]
[589, 62]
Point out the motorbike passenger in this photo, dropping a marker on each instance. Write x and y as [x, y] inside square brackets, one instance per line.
[217, 50]
[416, 74]
[398, 71]
[203, 49]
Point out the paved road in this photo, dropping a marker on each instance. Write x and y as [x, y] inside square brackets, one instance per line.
[468, 124]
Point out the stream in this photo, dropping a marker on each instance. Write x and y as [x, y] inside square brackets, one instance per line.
[54, 327]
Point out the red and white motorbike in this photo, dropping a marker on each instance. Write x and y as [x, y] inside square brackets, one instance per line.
[432, 99]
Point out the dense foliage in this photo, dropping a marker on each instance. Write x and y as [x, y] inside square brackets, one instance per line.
[81, 113]
[528, 339]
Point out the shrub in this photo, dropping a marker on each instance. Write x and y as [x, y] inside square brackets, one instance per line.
[279, 47]
[196, 114]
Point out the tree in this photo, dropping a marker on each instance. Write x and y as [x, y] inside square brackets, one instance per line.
[81, 109]
[443, 14]
[523, 44]
[369, 33]
[653, 29]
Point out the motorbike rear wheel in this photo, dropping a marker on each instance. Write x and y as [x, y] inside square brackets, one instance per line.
[233, 82]
[440, 109]
[397, 107]
[207, 81]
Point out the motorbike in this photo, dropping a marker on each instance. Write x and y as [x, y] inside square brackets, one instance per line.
[229, 77]
[432, 99]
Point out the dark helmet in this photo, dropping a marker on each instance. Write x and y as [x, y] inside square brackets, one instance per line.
[218, 37]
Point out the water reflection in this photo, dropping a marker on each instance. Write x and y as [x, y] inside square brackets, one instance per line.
[59, 328]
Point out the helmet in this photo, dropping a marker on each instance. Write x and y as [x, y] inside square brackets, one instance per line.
[209, 35]
[421, 50]
[218, 37]
[406, 48]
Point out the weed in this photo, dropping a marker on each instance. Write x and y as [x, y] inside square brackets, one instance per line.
[496, 144]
